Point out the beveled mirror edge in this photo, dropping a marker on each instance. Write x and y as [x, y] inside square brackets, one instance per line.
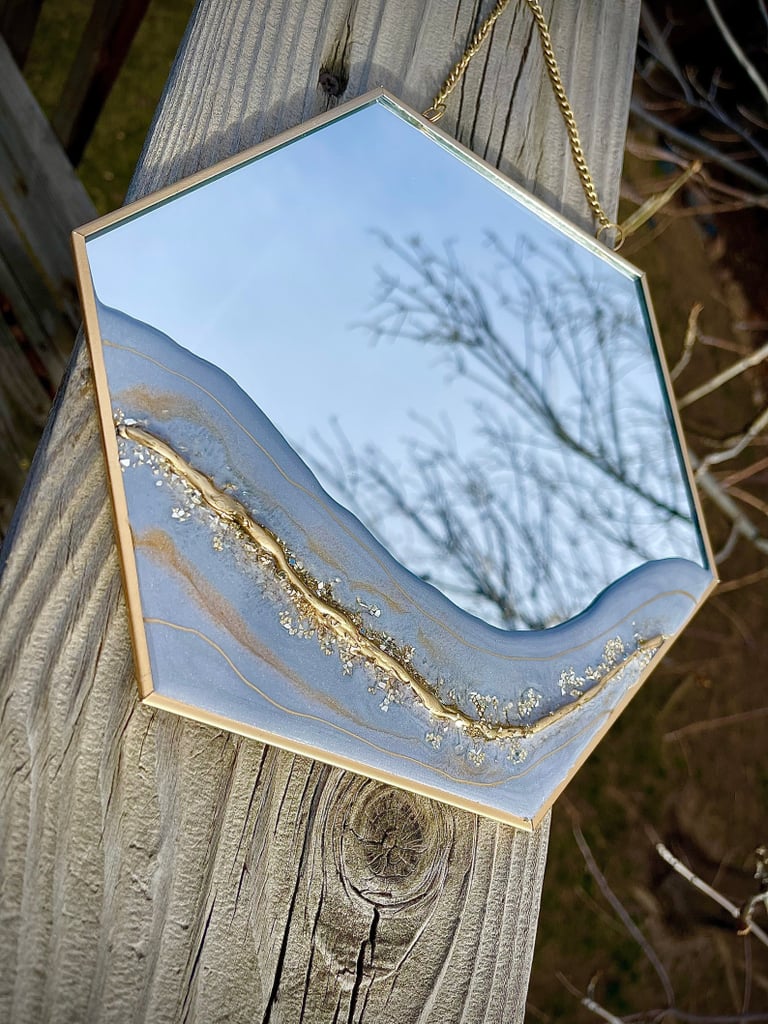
[118, 502]
[448, 142]
[679, 432]
[199, 178]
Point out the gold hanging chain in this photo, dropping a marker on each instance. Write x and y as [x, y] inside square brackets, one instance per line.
[437, 108]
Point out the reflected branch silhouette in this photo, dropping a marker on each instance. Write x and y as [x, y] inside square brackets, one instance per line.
[566, 474]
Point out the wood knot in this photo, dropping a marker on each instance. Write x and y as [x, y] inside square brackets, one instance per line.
[334, 71]
[391, 836]
[333, 82]
[393, 849]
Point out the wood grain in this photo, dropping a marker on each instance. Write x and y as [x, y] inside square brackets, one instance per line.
[156, 870]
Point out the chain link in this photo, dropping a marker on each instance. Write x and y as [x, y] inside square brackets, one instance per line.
[437, 107]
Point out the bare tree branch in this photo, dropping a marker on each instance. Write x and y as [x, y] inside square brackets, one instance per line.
[691, 337]
[734, 370]
[742, 525]
[624, 916]
[695, 144]
[698, 883]
[712, 724]
[737, 51]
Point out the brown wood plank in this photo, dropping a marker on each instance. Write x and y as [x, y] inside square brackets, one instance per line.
[40, 194]
[153, 869]
[18, 19]
[24, 408]
[103, 47]
[41, 200]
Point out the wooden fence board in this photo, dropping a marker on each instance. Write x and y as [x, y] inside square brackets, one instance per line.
[41, 200]
[106, 39]
[38, 188]
[18, 19]
[153, 869]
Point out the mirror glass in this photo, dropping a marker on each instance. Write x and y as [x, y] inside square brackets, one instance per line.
[478, 385]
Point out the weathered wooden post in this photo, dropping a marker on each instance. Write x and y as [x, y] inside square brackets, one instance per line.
[157, 870]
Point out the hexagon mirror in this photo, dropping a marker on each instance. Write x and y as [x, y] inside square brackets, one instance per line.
[397, 479]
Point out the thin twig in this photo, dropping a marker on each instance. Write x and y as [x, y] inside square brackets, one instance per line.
[737, 51]
[647, 151]
[586, 1002]
[660, 50]
[725, 552]
[744, 474]
[740, 442]
[698, 883]
[747, 975]
[654, 153]
[696, 145]
[673, 213]
[600, 1011]
[664, 1014]
[743, 581]
[724, 188]
[741, 523]
[753, 359]
[725, 345]
[714, 723]
[760, 899]
[735, 620]
[749, 499]
[691, 335]
[697, 1018]
[623, 915]
[657, 202]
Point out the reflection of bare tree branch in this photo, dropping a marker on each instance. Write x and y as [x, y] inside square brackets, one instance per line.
[443, 307]
[482, 557]
[557, 487]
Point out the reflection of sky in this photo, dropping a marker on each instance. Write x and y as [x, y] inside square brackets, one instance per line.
[268, 272]
[277, 259]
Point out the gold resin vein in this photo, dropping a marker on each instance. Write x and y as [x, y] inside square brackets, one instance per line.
[308, 594]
